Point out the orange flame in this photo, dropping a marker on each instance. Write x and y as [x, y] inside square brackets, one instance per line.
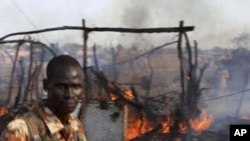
[137, 127]
[201, 123]
[128, 94]
[113, 97]
[166, 124]
[3, 110]
[183, 127]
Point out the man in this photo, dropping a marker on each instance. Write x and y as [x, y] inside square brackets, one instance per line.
[51, 119]
[224, 76]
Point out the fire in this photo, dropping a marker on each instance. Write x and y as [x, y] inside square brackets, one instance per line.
[128, 94]
[201, 123]
[183, 127]
[138, 126]
[166, 124]
[113, 97]
[3, 110]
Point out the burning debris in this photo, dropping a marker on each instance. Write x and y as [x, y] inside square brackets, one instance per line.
[201, 123]
[148, 113]
[144, 120]
[139, 125]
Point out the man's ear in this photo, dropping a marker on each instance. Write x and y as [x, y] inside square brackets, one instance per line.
[45, 84]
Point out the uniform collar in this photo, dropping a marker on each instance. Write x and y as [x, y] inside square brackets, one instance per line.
[53, 123]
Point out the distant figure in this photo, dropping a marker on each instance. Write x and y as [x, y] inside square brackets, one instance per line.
[224, 76]
[51, 119]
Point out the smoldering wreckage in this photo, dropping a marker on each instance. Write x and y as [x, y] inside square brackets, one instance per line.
[134, 96]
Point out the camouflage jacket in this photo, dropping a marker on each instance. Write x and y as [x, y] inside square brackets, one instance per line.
[40, 124]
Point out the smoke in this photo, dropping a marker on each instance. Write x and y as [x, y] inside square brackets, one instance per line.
[212, 26]
[228, 79]
[216, 22]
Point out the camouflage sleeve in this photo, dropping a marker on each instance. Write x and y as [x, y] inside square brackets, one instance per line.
[16, 130]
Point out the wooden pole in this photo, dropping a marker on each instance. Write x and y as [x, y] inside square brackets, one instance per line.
[26, 97]
[20, 83]
[180, 56]
[95, 58]
[104, 29]
[12, 74]
[86, 94]
[125, 121]
[180, 109]
[30, 41]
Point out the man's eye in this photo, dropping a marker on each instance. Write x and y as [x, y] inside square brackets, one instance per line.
[60, 86]
[76, 86]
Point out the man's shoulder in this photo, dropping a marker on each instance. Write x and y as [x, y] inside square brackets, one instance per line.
[20, 126]
[21, 119]
[17, 124]
[28, 114]
[25, 124]
[31, 117]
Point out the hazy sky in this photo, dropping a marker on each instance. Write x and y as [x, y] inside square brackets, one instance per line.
[216, 21]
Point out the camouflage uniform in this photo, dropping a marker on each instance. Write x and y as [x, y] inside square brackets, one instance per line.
[41, 124]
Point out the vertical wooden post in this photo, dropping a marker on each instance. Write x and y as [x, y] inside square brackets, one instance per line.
[85, 97]
[178, 114]
[85, 34]
[26, 96]
[180, 55]
[125, 121]
[95, 58]
[12, 74]
[20, 83]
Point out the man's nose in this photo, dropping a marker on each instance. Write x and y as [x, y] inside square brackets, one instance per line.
[68, 92]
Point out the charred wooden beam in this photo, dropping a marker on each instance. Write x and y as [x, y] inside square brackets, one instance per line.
[134, 93]
[111, 87]
[105, 29]
[180, 56]
[39, 93]
[20, 82]
[12, 73]
[29, 41]
[86, 97]
[95, 58]
[114, 55]
[30, 68]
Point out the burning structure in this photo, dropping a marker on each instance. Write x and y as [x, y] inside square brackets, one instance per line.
[128, 97]
[152, 117]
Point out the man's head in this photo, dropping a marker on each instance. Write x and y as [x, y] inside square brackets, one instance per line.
[64, 83]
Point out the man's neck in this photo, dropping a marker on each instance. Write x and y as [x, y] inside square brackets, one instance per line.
[62, 117]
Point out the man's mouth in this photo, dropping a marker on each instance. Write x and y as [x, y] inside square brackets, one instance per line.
[70, 104]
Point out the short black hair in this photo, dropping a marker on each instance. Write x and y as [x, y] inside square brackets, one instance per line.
[60, 62]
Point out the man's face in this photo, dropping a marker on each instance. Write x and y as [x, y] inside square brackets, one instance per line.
[65, 88]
